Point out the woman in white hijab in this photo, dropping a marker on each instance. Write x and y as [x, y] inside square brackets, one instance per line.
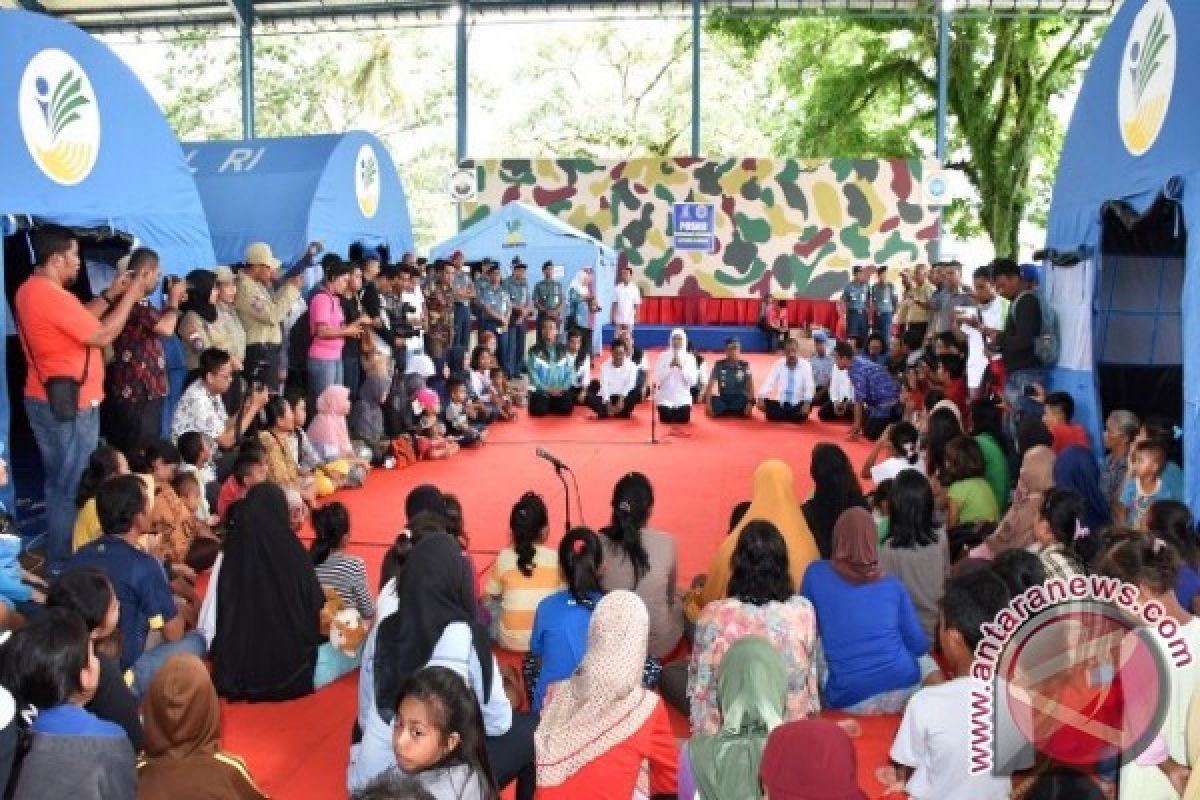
[582, 307]
[675, 374]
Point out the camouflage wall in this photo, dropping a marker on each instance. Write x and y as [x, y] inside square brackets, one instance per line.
[784, 226]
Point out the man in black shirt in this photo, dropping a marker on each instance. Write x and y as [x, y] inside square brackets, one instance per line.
[1016, 343]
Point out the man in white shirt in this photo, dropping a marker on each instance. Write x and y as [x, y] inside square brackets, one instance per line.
[411, 294]
[617, 393]
[787, 394]
[626, 299]
[986, 323]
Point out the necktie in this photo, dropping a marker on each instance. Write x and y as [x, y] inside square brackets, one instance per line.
[789, 390]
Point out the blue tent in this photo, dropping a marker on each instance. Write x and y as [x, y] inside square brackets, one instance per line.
[1127, 199]
[83, 144]
[335, 188]
[537, 236]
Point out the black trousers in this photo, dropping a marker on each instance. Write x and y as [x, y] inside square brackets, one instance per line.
[668, 415]
[733, 405]
[541, 404]
[626, 404]
[512, 755]
[828, 412]
[873, 427]
[672, 685]
[785, 412]
[922, 327]
[262, 363]
[130, 425]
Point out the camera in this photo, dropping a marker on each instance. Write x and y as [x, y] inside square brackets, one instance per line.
[169, 281]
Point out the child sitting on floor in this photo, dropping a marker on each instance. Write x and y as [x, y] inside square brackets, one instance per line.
[504, 393]
[202, 545]
[479, 384]
[195, 455]
[1145, 485]
[330, 435]
[346, 575]
[524, 574]
[458, 421]
[250, 469]
[104, 462]
[431, 438]
[951, 380]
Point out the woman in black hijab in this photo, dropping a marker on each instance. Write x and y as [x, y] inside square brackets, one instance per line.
[198, 316]
[268, 604]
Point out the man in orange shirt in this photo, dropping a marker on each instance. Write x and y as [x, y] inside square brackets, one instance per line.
[63, 338]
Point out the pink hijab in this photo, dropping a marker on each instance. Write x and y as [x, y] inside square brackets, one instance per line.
[328, 430]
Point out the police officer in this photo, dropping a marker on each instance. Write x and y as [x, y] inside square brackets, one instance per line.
[854, 303]
[495, 308]
[734, 396]
[521, 300]
[464, 294]
[883, 305]
[548, 296]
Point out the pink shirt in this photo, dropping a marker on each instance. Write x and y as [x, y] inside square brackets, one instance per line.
[325, 309]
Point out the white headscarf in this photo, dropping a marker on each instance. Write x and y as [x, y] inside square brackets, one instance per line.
[675, 386]
[581, 283]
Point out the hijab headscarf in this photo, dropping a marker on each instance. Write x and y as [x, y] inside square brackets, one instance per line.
[183, 731]
[268, 604]
[752, 694]
[1016, 528]
[856, 546]
[773, 500]
[1076, 469]
[582, 282]
[201, 283]
[434, 590]
[833, 493]
[811, 759]
[603, 703]
[328, 429]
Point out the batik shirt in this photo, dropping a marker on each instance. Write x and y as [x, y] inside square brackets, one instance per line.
[138, 370]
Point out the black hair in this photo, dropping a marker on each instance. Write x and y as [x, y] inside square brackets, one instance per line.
[295, 395]
[949, 339]
[420, 525]
[618, 343]
[142, 257]
[881, 496]
[190, 445]
[987, 419]
[1032, 432]
[118, 501]
[963, 460]
[453, 383]
[942, 427]
[1173, 522]
[576, 333]
[477, 354]
[41, 663]
[971, 601]
[1064, 783]
[910, 511]
[759, 565]
[248, 459]
[1020, 570]
[102, 465]
[632, 500]
[843, 350]
[50, 240]
[912, 339]
[875, 336]
[903, 440]
[276, 408]
[211, 360]
[953, 365]
[331, 526]
[1004, 266]
[1063, 510]
[1156, 446]
[527, 521]
[1063, 402]
[393, 785]
[858, 343]
[183, 480]
[738, 513]
[163, 450]
[85, 590]
[835, 489]
[983, 273]
[932, 398]
[455, 524]
[580, 556]
[1139, 558]
[454, 709]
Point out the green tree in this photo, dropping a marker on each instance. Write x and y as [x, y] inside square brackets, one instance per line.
[867, 86]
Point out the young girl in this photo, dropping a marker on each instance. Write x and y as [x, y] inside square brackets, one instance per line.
[331, 437]
[903, 445]
[438, 737]
[104, 462]
[344, 573]
[504, 393]
[524, 575]
[1065, 545]
[479, 383]
[1172, 521]
[966, 495]
[432, 441]
[560, 626]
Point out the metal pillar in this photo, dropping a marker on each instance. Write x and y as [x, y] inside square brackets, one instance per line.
[943, 78]
[460, 85]
[696, 78]
[243, 13]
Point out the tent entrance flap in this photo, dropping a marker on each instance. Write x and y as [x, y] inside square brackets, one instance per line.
[1138, 309]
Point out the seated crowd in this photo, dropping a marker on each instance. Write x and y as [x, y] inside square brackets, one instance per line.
[555, 672]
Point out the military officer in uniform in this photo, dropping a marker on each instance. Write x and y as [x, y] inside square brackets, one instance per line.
[734, 395]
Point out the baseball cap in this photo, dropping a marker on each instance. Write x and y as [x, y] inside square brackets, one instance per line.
[810, 759]
[820, 336]
[260, 253]
[1031, 273]
[517, 263]
[420, 364]
[490, 267]
[224, 274]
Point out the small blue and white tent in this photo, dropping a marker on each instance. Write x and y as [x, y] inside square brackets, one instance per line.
[83, 144]
[537, 236]
[1127, 199]
[336, 189]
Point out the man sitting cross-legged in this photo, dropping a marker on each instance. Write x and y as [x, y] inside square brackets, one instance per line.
[617, 391]
[787, 394]
[734, 395]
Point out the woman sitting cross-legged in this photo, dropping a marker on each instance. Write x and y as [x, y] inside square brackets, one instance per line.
[914, 550]
[282, 466]
[675, 373]
[523, 576]
[874, 645]
[551, 374]
[600, 726]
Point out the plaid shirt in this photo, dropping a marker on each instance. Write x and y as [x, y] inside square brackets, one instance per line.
[874, 387]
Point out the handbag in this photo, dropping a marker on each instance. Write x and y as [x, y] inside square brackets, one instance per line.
[62, 391]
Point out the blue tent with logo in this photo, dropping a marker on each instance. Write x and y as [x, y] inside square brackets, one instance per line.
[333, 188]
[1127, 203]
[83, 144]
[537, 236]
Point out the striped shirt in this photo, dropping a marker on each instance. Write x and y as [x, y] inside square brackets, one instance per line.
[519, 595]
[347, 575]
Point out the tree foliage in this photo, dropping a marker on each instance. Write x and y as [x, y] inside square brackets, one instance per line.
[868, 87]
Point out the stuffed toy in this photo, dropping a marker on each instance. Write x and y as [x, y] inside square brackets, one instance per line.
[333, 604]
[347, 632]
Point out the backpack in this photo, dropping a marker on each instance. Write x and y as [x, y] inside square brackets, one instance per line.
[1046, 345]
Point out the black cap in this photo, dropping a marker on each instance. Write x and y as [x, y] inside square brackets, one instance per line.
[490, 267]
[518, 264]
[732, 340]
[857, 268]
[548, 264]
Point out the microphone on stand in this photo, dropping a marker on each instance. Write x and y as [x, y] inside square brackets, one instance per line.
[542, 453]
[559, 469]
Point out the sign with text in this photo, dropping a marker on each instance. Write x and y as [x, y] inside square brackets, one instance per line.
[695, 226]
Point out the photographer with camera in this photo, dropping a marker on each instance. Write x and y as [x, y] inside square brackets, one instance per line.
[262, 311]
[135, 383]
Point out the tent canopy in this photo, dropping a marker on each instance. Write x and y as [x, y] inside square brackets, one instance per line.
[336, 189]
[1134, 129]
[537, 236]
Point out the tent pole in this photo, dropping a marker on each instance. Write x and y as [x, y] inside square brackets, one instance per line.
[245, 13]
[696, 78]
[945, 7]
[460, 75]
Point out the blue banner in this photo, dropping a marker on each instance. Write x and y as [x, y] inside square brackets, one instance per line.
[694, 225]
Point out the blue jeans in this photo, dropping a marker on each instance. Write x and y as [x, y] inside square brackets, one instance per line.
[856, 323]
[883, 324]
[322, 374]
[1014, 395]
[151, 661]
[65, 448]
[512, 344]
[462, 326]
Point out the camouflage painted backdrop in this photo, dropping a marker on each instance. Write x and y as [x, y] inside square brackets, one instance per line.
[784, 226]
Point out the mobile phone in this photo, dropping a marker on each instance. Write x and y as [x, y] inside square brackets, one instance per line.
[1030, 391]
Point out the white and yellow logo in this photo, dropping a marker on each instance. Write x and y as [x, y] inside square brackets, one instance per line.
[366, 180]
[59, 115]
[1147, 76]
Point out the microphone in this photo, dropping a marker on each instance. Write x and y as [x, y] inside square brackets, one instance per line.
[541, 453]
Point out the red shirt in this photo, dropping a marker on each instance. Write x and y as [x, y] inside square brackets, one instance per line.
[615, 774]
[776, 316]
[1069, 434]
[231, 492]
[54, 326]
[956, 392]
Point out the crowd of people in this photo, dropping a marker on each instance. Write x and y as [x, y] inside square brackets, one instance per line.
[553, 670]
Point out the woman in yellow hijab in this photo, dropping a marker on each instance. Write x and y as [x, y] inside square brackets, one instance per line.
[774, 500]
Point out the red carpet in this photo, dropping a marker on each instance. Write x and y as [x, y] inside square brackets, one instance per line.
[298, 750]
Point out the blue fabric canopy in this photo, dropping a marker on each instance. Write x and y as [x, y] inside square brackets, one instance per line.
[335, 188]
[1135, 127]
[537, 236]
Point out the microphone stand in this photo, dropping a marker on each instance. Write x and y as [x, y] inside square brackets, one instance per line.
[559, 470]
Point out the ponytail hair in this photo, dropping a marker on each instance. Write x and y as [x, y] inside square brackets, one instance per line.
[1143, 559]
[1172, 521]
[423, 523]
[631, 503]
[528, 522]
[102, 464]
[331, 526]
[1063, 510]
[580, 556]
[903, 440]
